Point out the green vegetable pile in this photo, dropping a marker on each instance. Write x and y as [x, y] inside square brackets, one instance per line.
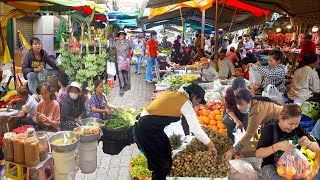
[140, 167]
[175, 81]
[167, 51]
[121, 119]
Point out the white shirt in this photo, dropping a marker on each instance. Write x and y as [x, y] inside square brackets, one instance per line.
[31, 108]
[305, 82]
[188, 112]
[248, 44]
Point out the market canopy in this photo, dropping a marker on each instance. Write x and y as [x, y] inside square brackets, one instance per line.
[161, 3]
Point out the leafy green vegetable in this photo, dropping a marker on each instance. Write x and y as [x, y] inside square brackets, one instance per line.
[121, 119]
[140, 167]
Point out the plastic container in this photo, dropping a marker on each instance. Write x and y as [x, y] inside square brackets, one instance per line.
[113, 147]
[88, 157]
[18, 149]
[31, 151]
[8, 146]
[43, 145]
[64, 165]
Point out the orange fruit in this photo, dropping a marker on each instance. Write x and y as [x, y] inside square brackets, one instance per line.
[221, 131]
[206, 120]
[215, 128]
[281, 170]
[221, 125]
[216, 112]
[213, 122]
[212, 116]
[219, 117]
[291, 171]
[205, 112]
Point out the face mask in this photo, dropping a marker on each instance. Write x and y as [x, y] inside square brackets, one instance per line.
[73, 96]
[247, 111]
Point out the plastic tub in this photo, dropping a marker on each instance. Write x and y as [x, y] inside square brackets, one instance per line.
[64, 165]
[88, 157]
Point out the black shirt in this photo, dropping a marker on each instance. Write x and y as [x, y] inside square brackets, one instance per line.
[273, 134]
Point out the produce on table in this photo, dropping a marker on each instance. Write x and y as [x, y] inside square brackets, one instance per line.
[167, 51]
[9, 95]
[175, 81]
[62, 142]
[197, 161]
[190, 78]
[121, 119]
[313, 159]
[88, 130]
[211, 115]
[140, 167]
[175, 140]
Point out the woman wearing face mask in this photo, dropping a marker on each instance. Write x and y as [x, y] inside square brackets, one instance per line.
[168, 108]
[275, 137]
[260, 111]
[71, 107]
[98, 105]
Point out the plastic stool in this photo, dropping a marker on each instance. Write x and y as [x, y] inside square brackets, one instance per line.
[41, 168]
[16, 167]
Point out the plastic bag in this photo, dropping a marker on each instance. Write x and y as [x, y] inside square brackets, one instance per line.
[111, 68]
[238, 135]
[255, 79]
[241, 170]
[273, 93]
[174, 128]
[293, 166]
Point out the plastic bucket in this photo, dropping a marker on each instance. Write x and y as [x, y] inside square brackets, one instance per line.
[111, 83]
[88, 157]
[64, 165]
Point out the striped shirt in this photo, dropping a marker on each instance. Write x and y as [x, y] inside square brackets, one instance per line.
[272, 75]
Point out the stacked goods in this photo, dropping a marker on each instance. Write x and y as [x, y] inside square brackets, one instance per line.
[139, 168]
[18, 149]
[197, 161]
[190, 78]
[8, 146]
[175, 81]
[31, 151]
[210, 115]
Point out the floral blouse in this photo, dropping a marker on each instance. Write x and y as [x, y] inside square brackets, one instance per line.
[123, 53]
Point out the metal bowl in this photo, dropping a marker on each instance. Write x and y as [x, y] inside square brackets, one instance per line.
[88, 138]
[92, 121]
[61, 135]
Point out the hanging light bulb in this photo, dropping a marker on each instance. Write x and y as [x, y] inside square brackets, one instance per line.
[289, 26]
[315, 29]
[278, 30]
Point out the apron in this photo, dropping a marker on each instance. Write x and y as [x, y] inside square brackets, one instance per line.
[153, 142]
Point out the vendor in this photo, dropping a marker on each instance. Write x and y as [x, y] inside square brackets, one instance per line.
[163, 67]
[233, 117]
[34, 64]
[274, 140]
[27, 116]
[71, 107]
[164, 110]
[274, 73]
[48, 110]
[98, 104]
[260, 111]
[305, 82]
[225, 66]
[208, 73]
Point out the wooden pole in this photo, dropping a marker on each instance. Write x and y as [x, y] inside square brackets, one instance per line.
[202, 27]
[216, 32]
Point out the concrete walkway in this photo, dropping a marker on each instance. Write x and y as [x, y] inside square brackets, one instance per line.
[117, 167]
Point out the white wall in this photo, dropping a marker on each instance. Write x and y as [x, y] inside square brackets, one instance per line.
[43, 28]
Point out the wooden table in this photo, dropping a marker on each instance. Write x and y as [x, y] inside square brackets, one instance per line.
[6, 126]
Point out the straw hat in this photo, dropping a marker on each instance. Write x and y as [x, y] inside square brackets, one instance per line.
[204, 61]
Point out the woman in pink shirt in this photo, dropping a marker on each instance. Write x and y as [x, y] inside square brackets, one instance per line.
[232, 56]
[48, 110]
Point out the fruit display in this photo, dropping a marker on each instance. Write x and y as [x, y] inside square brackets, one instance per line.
[197, 161]
[139, 168]
[210, 115]
[175, 81]
[87, 130]
[293, 166]
[313, 160]
[190, 78]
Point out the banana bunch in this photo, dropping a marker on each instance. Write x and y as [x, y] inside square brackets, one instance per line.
[190, 78]
[9, 95]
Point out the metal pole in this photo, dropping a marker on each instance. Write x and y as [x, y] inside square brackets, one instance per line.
[216, 32]
[202, 28]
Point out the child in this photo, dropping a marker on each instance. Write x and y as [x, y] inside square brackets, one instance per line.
[208, 73]
[62, 82]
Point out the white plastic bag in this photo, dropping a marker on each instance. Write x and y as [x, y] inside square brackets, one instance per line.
[175, 128]
[238, 135]
[111, 68]
[255, 79]
[241, 170]
[273, 93]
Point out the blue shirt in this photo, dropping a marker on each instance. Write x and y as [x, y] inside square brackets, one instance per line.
[99, 103]
[316, 130]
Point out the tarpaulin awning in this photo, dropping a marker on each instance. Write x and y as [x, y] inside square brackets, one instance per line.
[205, 4]
[123, 15]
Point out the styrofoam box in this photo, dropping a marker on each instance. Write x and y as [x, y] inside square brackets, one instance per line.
[194, 178]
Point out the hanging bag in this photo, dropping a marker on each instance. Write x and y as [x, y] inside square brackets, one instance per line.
[111, 68]
[273, 93]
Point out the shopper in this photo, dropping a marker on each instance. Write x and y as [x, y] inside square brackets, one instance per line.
[177, 53]
[139, 52]
[233, 117]
[48, 110]
[62, 82]
[248, 59]
[225, 43]
[34, 65]
[232, 56]
[208, 73]
[71, 108]
[167, 108]
[27, 116]
[307, 46]
[152, 52]
[123, 47]
[98, 104]
[274, 73]
[248, 43]
[274, 140]
[305, 82]
[260, 111]
[225, 65]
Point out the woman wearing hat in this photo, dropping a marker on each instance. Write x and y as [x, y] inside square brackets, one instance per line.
[166, 109]
[123, 47]
[208, 73]
[71, 107]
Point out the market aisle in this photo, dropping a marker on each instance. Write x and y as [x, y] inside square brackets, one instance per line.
[117, 167]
